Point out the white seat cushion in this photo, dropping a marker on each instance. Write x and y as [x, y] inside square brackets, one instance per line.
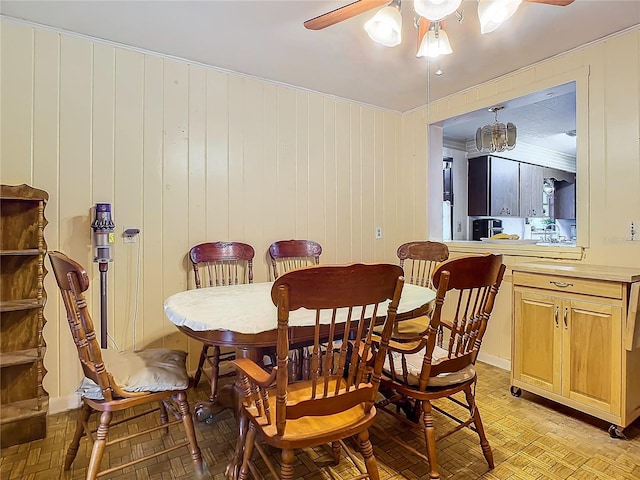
[414, 367]
[151, 370]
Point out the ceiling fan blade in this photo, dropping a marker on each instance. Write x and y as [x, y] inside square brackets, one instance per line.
[342, 13]
[559, 3]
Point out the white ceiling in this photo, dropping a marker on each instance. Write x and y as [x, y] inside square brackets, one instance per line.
[267, 39]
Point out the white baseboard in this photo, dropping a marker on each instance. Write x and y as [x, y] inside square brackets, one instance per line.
[499, 362]
[62, 404]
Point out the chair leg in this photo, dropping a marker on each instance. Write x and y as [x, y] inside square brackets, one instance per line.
[187, 421]
[215, 371]
[430, 439]
[484, 443]
[203, 356]
[286, 467]
[336, 450]
[72, 451]
[248, 452]
[164, 417]
[99, 445]
[367, 452]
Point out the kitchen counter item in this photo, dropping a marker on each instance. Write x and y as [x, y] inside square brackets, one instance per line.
[507, 241]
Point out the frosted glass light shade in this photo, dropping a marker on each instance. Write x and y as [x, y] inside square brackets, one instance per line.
[492, 13]
[385, 27]
[434, 44]
[435, 9]
[496, 137]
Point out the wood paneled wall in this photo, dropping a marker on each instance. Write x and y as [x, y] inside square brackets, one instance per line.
[186, 154]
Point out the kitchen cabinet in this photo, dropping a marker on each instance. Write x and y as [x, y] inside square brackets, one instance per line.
[23, 416]
[569, 338]
[531, 179]
[493, 187]
[563, 201]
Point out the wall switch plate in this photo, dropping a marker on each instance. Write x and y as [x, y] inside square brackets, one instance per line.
[378, 233]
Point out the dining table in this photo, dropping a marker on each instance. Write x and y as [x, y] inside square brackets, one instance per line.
[244, 317]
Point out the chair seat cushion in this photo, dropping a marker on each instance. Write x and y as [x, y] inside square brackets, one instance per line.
[407, 329]
[152, 370]
[414, 367]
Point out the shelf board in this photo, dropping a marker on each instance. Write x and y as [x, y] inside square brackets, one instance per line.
[16, 411]
[16, 305]
[19, 357]
[22, 252]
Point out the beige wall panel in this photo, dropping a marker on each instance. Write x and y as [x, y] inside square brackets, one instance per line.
[236, 160]
[344, 215]
[406, 174]
[269, 199]
[392, 187]
[153, 321]
[217, 156]
[75, 197]
[316, 188]
[127, 195]
[197, 155]
[175, 201]
[505, 84]
[381, 186]
[357, 138]
[16, 83]
[524, 77]
[302, 166]
[255, 214]
[329, 249]
[286, 189]
[367, 200]
[46, 90]
[488, 89]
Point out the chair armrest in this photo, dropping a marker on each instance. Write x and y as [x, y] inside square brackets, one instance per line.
[255, 374]
[407, 348]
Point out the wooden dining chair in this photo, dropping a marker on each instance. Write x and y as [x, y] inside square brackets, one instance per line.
[439, 366]
[418, 260]
[219, 263]
[116, 381]
[337, 401]
[292, 254]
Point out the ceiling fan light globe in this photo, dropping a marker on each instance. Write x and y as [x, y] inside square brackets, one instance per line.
[434, 44]
[493, 13]
[435, 9]
[385, 27]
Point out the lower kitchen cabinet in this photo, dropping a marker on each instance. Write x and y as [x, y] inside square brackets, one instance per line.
[569, 338]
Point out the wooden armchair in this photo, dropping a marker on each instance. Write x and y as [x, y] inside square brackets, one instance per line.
[292, 254]
[219, 263]
[116, 381]
[439, 366]
[337, 401]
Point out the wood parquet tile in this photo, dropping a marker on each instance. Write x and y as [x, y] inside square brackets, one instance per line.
[531, 438]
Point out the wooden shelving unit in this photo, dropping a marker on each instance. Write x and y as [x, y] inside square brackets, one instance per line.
[23, 400]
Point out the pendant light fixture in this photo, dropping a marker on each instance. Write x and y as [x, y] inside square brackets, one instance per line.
[385, 27]
[496, 137]
[435, 42]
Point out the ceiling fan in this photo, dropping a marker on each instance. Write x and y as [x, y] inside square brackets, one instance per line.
[385, 26]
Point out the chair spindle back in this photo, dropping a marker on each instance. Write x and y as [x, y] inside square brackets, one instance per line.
[421, 259]
[292, 254]
[222, 263]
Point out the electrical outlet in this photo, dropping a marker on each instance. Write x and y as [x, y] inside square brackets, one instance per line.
[633, 231]
[378, 233]
[130, 235]
[459, 227]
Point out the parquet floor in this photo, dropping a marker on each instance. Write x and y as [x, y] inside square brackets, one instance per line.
[531, 438]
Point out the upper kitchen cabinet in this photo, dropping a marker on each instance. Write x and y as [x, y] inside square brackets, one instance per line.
[494, 187]
[531, 180]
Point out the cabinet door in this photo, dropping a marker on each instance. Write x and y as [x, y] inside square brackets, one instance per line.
[592, 342]
[478, 187]
[537, 350]
[504, 182]
[531, 178]
[564, 200]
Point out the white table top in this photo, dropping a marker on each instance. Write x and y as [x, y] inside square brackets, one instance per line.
[248, 308]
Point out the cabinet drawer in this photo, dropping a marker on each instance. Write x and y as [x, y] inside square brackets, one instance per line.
[558, 283]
